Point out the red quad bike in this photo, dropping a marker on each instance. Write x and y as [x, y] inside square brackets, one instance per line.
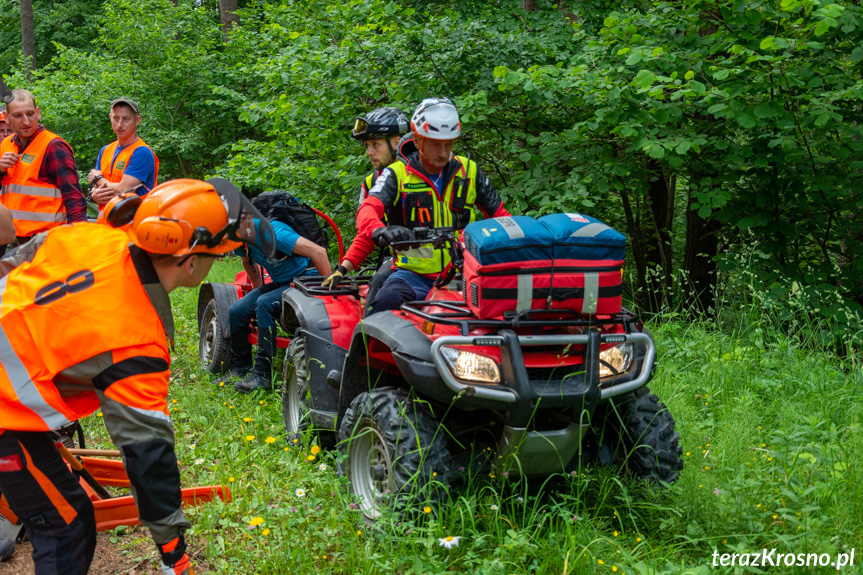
[214, 301]
[412, 396]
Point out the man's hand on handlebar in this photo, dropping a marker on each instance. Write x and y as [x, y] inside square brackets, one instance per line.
[382, 237]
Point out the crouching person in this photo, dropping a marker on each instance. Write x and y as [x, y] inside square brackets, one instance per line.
[63, 356]
[294, 254]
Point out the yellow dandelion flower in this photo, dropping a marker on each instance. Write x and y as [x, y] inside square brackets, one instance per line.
[173, 401]
[230, 407]
[763, 445]
[296, 440]
[426, 509]
[708, 445]
[434, 473]
[270, 439]
[221, 384]
[311, 458]
[359, 533]
[265, 532]
[315, 450]
[261, 402]
[286, 449]
[638, 539]
[224, 403]
[700, 486]
[230, 479]
[99, 414]
[759, 505]
[614, 568]
[247, 419]
[616, 534]
[250, 437]
[725, 541]
[600, 561]
[256, 521]
[687, 453]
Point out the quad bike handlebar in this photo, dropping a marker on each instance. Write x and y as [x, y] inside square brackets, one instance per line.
[439, 238]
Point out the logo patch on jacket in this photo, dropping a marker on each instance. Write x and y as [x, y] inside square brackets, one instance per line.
[121, 165]
[419, 186]
[28, 158]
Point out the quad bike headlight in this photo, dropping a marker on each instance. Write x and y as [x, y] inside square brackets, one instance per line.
[616, 360]
[469, 366]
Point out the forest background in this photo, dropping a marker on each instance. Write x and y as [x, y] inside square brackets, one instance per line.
[724, 138]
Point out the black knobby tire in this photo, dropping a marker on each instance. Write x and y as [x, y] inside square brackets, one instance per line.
[214, 350]
[652, 443]
[297, 397]
[395, 453]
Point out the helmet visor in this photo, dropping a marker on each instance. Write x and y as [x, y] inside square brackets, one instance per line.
[365, 131]
[238, 206]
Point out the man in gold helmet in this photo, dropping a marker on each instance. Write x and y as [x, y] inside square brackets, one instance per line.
[88, 283]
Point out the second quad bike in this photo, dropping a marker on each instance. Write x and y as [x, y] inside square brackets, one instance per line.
[412, 396]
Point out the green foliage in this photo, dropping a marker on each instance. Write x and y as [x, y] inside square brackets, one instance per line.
[749, 109]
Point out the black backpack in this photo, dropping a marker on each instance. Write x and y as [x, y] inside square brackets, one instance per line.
[286, 208]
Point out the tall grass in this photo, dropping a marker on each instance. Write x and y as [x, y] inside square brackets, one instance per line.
[771, 433]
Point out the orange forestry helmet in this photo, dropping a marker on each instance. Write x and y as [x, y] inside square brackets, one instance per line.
[3, 116]
[182, 217]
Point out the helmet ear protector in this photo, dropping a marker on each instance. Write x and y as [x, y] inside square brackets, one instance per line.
[120, 211]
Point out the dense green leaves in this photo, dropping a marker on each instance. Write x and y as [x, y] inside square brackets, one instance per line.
[737, 119]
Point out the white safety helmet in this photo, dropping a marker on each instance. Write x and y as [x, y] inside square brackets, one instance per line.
[436, 119]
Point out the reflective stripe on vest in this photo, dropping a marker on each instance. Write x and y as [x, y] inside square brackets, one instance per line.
[427, 260]
[74, 272]
[21, 386]
[113, 168]
[36, 206]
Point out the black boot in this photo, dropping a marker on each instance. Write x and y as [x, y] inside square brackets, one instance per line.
[257, 379]
[237, 373]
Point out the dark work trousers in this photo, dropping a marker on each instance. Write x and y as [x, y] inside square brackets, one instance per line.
[263, 304]
[384, 271]
[48, 499]
[401, 286]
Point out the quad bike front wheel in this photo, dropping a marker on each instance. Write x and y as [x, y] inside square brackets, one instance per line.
[296, 395]
[639, 431]
[653, 445]
[396, 455]
[214, 350]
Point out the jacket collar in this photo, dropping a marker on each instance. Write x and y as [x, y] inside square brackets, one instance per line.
[17, 141]
[157, 294]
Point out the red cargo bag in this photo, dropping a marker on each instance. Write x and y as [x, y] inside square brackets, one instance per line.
[588, 264]
[510, 268]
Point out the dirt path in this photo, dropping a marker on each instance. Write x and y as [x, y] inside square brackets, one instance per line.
[109, 559]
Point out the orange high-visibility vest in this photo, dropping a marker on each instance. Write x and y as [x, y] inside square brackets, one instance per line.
[52, 317]
[114, 168]
[35, 205]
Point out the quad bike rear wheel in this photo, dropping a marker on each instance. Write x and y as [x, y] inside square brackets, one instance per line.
[297, 396]
[214, 350]
[396, 455]
[639, 431]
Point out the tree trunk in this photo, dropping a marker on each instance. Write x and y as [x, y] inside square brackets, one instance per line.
[228, 11]
[656, 231]
[28, 33]
[528, 5]
[702, 245]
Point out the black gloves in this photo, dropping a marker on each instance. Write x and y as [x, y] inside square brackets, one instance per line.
[382, 237]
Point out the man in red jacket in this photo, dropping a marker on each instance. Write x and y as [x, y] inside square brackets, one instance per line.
[427, 186]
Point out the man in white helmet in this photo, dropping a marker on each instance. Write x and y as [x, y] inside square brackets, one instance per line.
[426, 187]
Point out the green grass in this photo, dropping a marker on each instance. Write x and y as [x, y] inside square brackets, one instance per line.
[771, 435]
